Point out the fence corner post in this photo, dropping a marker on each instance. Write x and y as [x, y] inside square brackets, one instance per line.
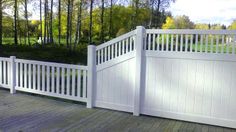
[139, 68]
[13, 75]
[91, 75]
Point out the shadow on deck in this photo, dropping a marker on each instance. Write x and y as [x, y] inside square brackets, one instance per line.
[24, 112]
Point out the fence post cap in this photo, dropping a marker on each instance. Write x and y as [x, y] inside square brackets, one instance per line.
[138, 27]
[91, 46]
[13, 57]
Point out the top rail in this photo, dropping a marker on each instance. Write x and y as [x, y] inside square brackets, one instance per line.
[4, 59]
[124, 36]
[191, 31]
[52, 64]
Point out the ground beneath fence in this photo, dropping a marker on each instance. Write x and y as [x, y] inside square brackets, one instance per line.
[24, 112]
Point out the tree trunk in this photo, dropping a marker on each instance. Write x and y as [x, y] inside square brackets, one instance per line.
[27, 22]
[67, 26]
[91, 21]
[0, 22]
[59, 23]
[102, 22]
[51, 23]
[110, 21]
[41, 24]
[70, 26]
[15, 23]
[45, 22]
[78, 26]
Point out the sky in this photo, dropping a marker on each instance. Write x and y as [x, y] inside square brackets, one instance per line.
[206, 11]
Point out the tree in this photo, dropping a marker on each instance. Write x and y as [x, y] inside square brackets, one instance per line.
[78, 26]
[27, 23]
[15, 22]
[233, 25]
[51, 22]
[0, 22]
[201, 26]
[59, 22]
[90, 21]
[183, 22]
[157, 9]
[110, 18]
[170, 23]
[41, 24]
[102, 21]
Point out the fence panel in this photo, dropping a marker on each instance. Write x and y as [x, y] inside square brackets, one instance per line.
[52, 79]
[5, 77]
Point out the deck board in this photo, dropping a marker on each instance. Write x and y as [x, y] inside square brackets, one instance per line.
[26, 112]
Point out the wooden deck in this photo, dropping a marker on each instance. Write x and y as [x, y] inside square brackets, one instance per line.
[24, 112]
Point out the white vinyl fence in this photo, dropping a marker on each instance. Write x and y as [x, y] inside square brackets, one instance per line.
[51, 79]
[180, 74]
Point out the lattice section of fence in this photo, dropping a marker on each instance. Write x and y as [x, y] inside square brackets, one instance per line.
[204, 41]
[115, 48]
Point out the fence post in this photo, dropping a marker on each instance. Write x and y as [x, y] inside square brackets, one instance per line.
[91, 75]
[140, 67]
[13, 75]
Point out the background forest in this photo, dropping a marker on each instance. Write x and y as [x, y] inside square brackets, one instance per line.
[60, 30]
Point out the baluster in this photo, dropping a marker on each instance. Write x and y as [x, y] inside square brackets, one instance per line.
[63, 81]
[149, 42]
[109, 53]
[217, 44]
[212, 41]
[84, 84]
[167, 42]
[206, 45]
[105, 56]
[191, 43]
[58, 80]
[68, 81]
[181, 42]
[99, 57]
[38, 78]
[73, 82]
[177, 42]
[43, 78]
[227, 44]
[21, 74]
[127, 46]
[186, 43]
[201, 41]
[78, 83]
[162, 43]
[158, 42]
[34, 77]
[48, 79]
[196, 43]
[172, 42]
[25, 75]
[222, 44]
[53, 79]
